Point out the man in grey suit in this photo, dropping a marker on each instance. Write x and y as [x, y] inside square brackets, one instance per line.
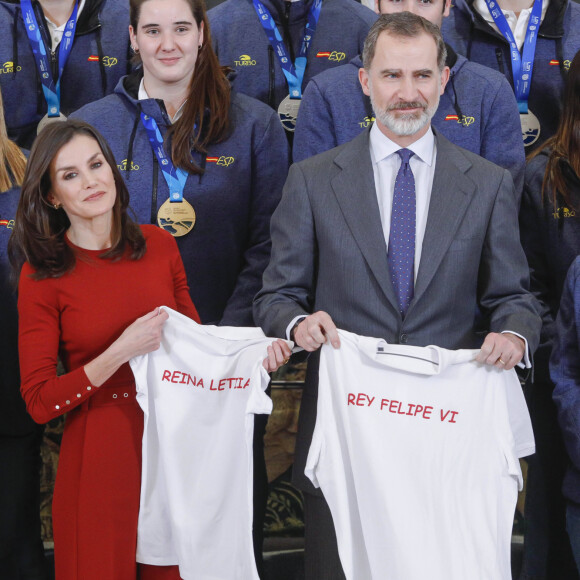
[398, 234]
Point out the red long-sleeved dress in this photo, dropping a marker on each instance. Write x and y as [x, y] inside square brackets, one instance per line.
[77, 316]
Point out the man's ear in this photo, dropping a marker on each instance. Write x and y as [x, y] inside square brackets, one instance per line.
[363, 77]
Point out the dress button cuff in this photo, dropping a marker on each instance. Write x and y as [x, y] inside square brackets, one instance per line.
[89, 388]
[79, 395]
[57, 407]
[67, 402]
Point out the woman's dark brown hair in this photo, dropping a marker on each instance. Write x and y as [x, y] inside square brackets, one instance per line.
[39, 229]
[565, 144]
[205, 116]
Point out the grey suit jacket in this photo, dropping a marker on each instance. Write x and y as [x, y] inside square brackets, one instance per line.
[329, 253]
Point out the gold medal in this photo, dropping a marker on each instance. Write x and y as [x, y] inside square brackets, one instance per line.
[177, 217]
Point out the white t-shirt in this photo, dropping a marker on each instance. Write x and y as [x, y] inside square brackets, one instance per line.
[199, 393]
[416, 451]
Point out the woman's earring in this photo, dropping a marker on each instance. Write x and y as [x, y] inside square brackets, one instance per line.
[56, 206]
[135, 50]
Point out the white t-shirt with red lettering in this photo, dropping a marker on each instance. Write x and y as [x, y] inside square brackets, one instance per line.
[199, 393]
[416, 451]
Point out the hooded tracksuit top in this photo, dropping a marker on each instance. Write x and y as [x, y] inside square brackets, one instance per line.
[99, 58]
[558, 41]
[478, 112]
[229, 247]
[241, 43]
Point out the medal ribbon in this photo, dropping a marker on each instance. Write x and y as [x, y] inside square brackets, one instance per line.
[522, 65]
[50, 88]
[294, 72]
[175, 178]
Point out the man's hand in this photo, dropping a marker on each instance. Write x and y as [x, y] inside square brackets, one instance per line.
[314, 330]
[504, 350]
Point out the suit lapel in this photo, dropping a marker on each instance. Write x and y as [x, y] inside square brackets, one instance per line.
[354, 188]
[450, 196]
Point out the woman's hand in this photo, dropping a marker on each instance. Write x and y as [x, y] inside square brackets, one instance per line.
[278, 354]
[143, 335]
[140, 337]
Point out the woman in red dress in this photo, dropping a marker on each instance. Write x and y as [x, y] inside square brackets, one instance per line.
[90, 285]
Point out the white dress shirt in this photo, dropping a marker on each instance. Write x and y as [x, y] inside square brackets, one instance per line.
[386, 163]
[517, 24]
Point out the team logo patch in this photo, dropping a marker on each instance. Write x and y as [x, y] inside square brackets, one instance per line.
[108, 61]
[555, 62]
[334, 56]
[8, 67]
[563, 212]
[245, 60]
[123, 166]
[464, 120]
[222, 160]
[366, 122]
[8, 224]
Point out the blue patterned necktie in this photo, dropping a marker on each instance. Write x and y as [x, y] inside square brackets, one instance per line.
[402, 235]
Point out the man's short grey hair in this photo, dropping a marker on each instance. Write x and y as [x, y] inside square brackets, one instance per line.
[404, 24]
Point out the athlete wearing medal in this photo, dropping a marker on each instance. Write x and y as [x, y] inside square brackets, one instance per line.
[277, 46]
[531, 42]
[57, 57]
[225, 153]
[293, 71]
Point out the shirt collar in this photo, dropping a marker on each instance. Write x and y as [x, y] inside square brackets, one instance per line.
[382, 147]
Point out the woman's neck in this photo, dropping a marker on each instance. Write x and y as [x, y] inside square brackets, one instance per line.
[93, 234]
[173, 95]
[57, 11]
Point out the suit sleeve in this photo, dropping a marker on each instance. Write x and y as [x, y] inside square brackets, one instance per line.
[315, 125]
[565, 364]
[46, 395]
[269, 168]
[501, 141]
[503, 274]
[288, 283]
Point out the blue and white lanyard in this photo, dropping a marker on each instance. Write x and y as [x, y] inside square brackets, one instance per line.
[522, 65]
[50, 88]
[175, 178]
[294, 72]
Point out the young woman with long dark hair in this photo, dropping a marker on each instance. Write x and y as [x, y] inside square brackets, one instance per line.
[177, 128]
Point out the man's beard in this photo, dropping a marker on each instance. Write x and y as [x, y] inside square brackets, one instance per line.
[405, 124]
